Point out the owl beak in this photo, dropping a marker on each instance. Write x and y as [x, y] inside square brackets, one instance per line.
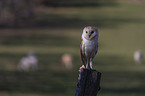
[89, 35]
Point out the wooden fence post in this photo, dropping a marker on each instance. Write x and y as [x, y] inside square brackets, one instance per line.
[88, 83]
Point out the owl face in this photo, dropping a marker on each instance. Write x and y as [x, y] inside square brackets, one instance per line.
[90, 32]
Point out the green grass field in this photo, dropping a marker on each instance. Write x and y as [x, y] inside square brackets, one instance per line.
[121, 28]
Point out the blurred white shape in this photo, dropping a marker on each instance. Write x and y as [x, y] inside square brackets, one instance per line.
[27, 62]
[138, 57]
[66, 61]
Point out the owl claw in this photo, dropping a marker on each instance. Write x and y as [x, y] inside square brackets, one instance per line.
[81, 68]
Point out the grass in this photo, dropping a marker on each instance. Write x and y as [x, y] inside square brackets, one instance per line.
[121, 30]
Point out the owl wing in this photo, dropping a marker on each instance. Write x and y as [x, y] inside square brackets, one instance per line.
[96, 48]
[94, 51]
[82, 51]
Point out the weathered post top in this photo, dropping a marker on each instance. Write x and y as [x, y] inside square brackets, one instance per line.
[88, 83]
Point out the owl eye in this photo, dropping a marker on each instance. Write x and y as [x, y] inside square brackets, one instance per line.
[92, 32]
[86, 32]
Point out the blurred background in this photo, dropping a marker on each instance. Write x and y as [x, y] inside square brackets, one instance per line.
[40, 40]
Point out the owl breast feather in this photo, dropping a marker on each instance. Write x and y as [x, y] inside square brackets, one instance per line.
[90, 47]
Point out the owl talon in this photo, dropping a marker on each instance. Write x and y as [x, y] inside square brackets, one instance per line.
[81, 68]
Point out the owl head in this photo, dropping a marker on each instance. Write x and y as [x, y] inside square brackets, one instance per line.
[90, 32]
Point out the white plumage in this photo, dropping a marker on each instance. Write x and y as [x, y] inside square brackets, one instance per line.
[89, 45]
[138, 57]
[28, 62]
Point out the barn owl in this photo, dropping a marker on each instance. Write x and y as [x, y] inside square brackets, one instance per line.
[89, 46]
